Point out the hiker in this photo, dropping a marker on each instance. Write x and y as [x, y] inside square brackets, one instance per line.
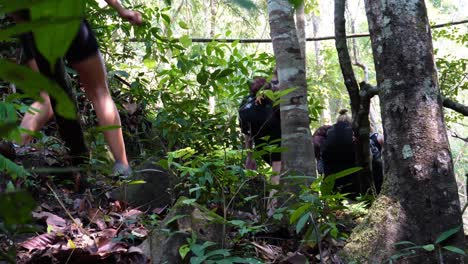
[260, 122]
[318, 138]
[375, 145]
[84, 56]
[338, 154]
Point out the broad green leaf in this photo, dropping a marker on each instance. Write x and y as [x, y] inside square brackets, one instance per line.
[447, 234]
[186, 41]
[455, 250]
[25, 27]
[149, 63]
[183, 25]
[429, 247]
[15, 208]
[301, 223]
[222, 252]
[12, 168]
[6, 128]
[225, 73]
[53, 41]
[202, 77]
[299, 212]
[184, 250]
[33, 82]
[8, 6]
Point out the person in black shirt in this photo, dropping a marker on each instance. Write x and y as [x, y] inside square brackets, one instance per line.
[260, 123]
[338, 154]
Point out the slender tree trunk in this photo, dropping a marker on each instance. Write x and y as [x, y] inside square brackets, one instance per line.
[360, 99]
[301, 32]
[419, 198]
[213, 13]
[325, 114]
[298, 157]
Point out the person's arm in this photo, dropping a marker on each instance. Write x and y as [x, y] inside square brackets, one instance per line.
[134, 17]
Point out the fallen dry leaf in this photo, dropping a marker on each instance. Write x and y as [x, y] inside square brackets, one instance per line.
[40, 242]
[55, 221]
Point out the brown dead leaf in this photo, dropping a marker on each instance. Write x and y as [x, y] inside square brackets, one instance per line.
[55, 221]
[96, 216]
[47, 207]
[159, 210]
[268, 252]
[40, 242]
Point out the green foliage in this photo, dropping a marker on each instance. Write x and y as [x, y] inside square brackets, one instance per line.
[314, 215]
[34, 82]
[412, 248]
[205, 253]
[15, 209]
[53, 40]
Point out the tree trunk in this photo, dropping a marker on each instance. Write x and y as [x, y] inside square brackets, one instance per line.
[301, 33]
[419, 198]
[298, 156]
[325, 114]
[360, 99]
[213, 13]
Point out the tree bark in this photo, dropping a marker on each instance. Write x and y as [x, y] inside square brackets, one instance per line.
[419, 199]
[325, 114]
[298, 156]
[301, 32]
[360, 103]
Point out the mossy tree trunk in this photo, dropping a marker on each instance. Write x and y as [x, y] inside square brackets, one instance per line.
[419, 198]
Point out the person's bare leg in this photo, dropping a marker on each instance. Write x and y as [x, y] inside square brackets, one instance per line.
[272, 204]
[40, 113]
[93, 76]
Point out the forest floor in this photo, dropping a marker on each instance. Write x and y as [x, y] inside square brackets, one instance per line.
[93, 227]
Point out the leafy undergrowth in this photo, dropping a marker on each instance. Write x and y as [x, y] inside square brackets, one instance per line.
[93, 227]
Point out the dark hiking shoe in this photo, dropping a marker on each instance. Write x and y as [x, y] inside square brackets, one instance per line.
[122, 171]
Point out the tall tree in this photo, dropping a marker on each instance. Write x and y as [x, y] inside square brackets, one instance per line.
[419, 198]
[301, 32]
[325, 114]
[359, 95]
[298, 157]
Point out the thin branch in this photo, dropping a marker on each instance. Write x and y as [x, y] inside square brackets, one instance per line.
[262, 40]
[457, 107]
[122, 80]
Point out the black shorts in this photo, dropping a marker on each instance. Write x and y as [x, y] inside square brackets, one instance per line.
[84, 45]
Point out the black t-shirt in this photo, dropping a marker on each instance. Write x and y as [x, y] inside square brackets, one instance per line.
[338, 151]
[260, 120]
